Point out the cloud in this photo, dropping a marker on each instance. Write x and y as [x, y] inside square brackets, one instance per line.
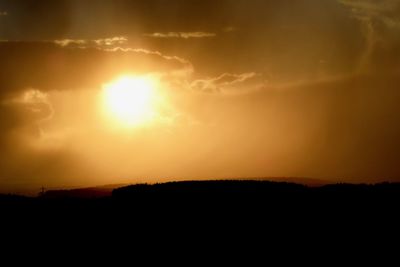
[3, 13]
[183, 35]
[32, 103]
[22, 116]
[381, 27]
[111, 41]
[384, 10]
[188, 69]
[37, 103]
[149, 52]
[113, 45]
[230, 83]
[47, 66]
[103, 42]
[68, 42]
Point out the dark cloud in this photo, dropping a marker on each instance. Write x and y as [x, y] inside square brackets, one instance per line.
[47, 19]
[48, 66]
[286, 40]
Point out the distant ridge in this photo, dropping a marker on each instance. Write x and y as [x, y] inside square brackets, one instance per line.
[263, 188]
[106, 190]
[298, 180]
[258, 186]
[87, 192]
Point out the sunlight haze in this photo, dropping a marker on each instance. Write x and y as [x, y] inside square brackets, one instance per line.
[114, 92]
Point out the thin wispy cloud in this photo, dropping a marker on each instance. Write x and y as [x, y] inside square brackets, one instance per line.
[229, 82]
[381, 26]
[101, 42]
[111, 41]
[378, 10]
[68, 42]
[183, 35]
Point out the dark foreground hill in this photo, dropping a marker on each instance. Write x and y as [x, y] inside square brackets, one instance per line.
[209, 210]
[261, 197]
[210, 196]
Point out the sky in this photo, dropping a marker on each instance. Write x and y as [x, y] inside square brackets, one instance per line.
[239, 89]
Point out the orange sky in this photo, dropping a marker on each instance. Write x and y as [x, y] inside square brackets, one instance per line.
[238, 89]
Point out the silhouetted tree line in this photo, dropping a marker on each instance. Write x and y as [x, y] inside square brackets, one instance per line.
[230, 207]
[214, 196]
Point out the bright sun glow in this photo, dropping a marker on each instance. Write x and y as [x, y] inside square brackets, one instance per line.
[130, 100]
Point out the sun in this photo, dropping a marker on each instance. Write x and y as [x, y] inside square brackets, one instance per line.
[130, 100]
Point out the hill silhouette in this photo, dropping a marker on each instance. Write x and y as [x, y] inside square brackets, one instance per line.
[209, 208]
[239, 190]
[245, 196]
[212, 198]
[88, 192]
[217, 188]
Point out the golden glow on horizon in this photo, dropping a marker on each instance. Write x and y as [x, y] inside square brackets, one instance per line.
[130, 100]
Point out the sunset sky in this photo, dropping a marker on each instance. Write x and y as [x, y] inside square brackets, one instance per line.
[107, 92]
